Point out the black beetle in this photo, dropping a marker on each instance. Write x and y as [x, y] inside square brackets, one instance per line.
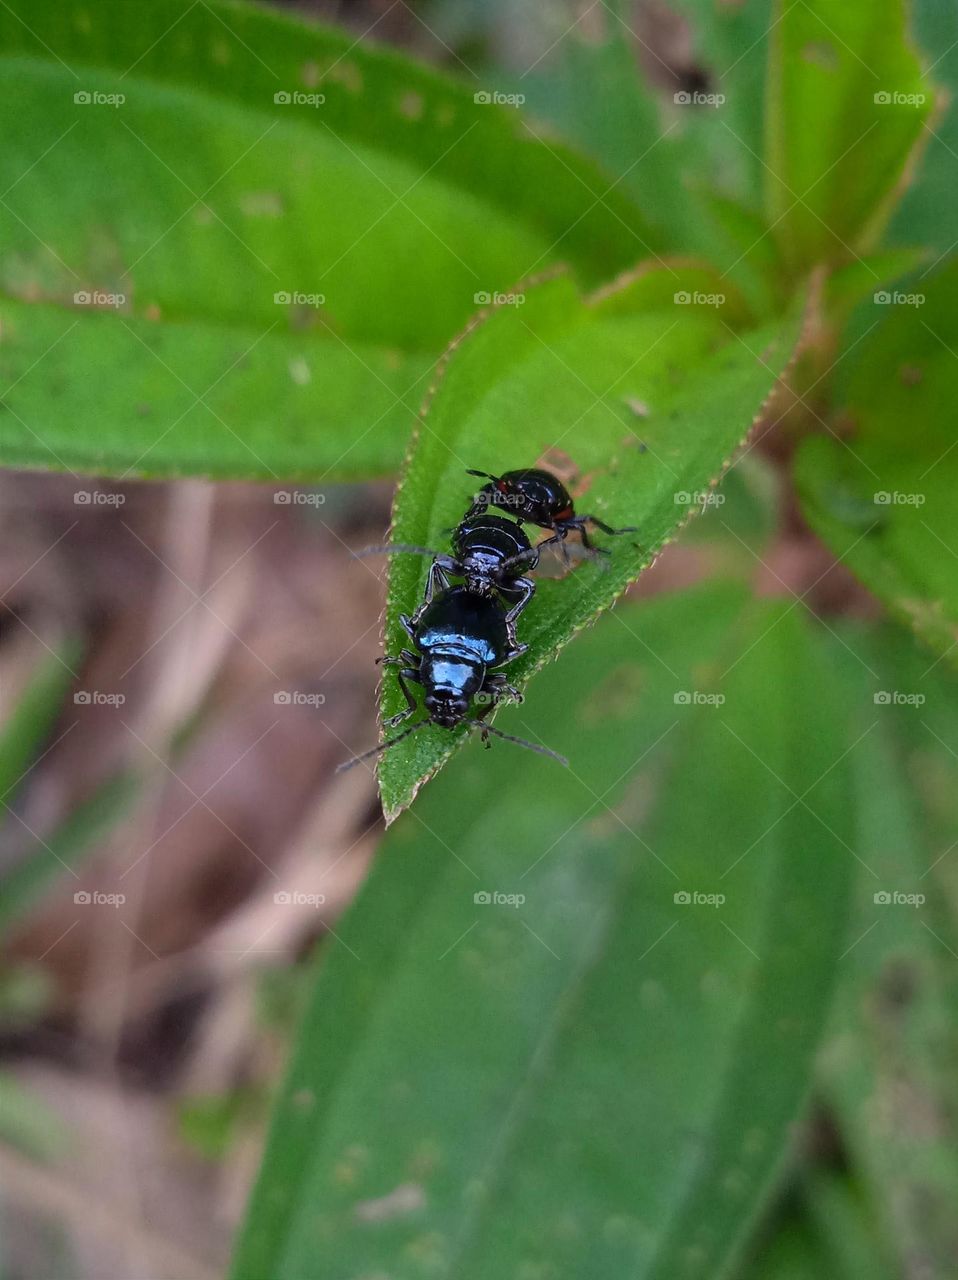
[491, 555]
[462, 637]
[539, 497]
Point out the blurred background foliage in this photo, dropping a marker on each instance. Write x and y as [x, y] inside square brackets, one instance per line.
[687, 1011]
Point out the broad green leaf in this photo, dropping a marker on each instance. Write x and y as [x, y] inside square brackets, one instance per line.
[274, 405]
[650, 399]
[730, 43]
[28, 723]
[887, 1072]
[881, 490]
[846, 104]
[41, 863]
[925, 215]
[153, 171]
[598, 1079]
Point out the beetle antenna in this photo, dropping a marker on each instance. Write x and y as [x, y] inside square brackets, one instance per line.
[383, 746]
[486, 475]
[387, 547]
[522, 742]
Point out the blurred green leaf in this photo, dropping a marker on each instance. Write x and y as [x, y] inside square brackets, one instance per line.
[559, 372]
[31, 721]
[473, 1079]
[730, 43]
[881, 492]
[209, 1122]
[159, 199]
[846, 105]
[40, 862]
[927, 207]
[887, 1071]
[26, 1122]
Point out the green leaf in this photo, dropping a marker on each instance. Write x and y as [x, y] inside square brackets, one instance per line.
[198, 199]
[926, 212]
[31, 720]
[882, 494]
[846, 105]
[276, 405]
[601, 1079]
[730, 43]
[42, 862]
[887, 1071]
[557, 372]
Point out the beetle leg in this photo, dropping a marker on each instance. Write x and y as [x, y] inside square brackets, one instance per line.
[513, 653]
[607, 528]
[528, 589]
[403, 674]
[439, 572]
[499, 684]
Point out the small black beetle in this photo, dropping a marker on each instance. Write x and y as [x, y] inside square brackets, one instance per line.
[539, 497]
[461, 637]
[491, 555]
